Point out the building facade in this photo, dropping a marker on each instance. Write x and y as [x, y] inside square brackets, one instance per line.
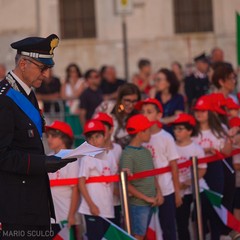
[91, 31]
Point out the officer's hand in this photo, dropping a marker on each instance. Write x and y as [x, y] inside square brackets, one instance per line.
[53, 163]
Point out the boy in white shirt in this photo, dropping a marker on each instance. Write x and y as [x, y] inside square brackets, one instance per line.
[97, 198]
[114, 150]
[183, 128]
[164, 153]
[65, 197]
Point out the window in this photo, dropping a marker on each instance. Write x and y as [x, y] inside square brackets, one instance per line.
[77, 19]
[193, 16]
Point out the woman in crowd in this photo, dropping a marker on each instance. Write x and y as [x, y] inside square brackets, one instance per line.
[71, 90]
[144, 77]
[128, 96]
[224, 79]
[167, 86]
[72, 87]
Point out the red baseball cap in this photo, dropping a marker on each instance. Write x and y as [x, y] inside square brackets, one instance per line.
[230, 104]
[234, 122]
[207, 103]
[154, 101]
[218, 98]
[104, 118]
[93, 125]
[204, 103]
[185, 118]
[62, 127]
[138, 123]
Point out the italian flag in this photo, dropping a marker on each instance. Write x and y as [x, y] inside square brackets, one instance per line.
[227, 218]
[116, 233]
[154, 231]
[65, 233]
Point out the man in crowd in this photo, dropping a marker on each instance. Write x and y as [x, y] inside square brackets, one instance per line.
[110, 83]
[91, 97]
[49, 93]
[217, 55]
[197, 84]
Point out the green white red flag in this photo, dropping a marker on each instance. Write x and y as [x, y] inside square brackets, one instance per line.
[115, 233]
[154, 231]
[65, 233]
[227, 217]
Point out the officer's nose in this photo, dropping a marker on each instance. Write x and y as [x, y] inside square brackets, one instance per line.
[46, 73]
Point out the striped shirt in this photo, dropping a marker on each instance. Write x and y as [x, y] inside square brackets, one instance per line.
[138, 159]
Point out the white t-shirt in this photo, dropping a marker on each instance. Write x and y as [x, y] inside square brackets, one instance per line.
[62, 195]
[206, 139]
[185, 152]
[163, 150]
[115, 152]
[101, 193]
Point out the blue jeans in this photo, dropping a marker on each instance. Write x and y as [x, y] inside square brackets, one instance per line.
[140, 217]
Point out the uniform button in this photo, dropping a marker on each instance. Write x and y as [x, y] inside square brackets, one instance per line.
[23, 181]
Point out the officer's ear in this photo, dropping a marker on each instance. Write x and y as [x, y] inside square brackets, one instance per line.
[22, 64]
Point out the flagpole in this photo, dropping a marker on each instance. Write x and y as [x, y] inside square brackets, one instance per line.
[196, 198]
[124, 201]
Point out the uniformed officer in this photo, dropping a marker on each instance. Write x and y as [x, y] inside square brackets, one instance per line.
[26, 203]
[197, 84]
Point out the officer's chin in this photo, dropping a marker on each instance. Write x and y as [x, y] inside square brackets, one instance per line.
[37, 83]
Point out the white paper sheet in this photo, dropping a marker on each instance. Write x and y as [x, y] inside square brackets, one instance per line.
[84, 149]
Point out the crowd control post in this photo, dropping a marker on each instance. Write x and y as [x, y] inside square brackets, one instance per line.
[124, 201]
[196, 198]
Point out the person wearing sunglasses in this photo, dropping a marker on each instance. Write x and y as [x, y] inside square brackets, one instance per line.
[26, 203]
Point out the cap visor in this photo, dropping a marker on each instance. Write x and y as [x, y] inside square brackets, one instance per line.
[46, 61]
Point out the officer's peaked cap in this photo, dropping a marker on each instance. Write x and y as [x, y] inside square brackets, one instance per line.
[41, 49]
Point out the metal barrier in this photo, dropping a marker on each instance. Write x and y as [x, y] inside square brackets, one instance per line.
[196, 198]
[124, 201]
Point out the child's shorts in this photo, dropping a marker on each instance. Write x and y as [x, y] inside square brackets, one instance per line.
[140, 218]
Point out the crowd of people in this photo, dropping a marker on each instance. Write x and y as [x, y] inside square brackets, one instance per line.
[156, 120]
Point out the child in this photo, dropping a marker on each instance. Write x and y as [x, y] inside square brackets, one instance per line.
[211, 136]
[114, 150]
[164, 154]
[145, 192]
[183, 129]
[65, 197]
[97, 198]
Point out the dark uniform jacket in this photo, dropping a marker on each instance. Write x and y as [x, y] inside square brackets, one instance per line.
[25, 196]
[195, 87]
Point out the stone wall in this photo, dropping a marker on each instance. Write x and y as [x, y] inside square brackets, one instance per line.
[150, 34]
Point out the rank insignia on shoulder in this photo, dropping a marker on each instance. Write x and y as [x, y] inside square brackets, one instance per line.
[4, 86]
